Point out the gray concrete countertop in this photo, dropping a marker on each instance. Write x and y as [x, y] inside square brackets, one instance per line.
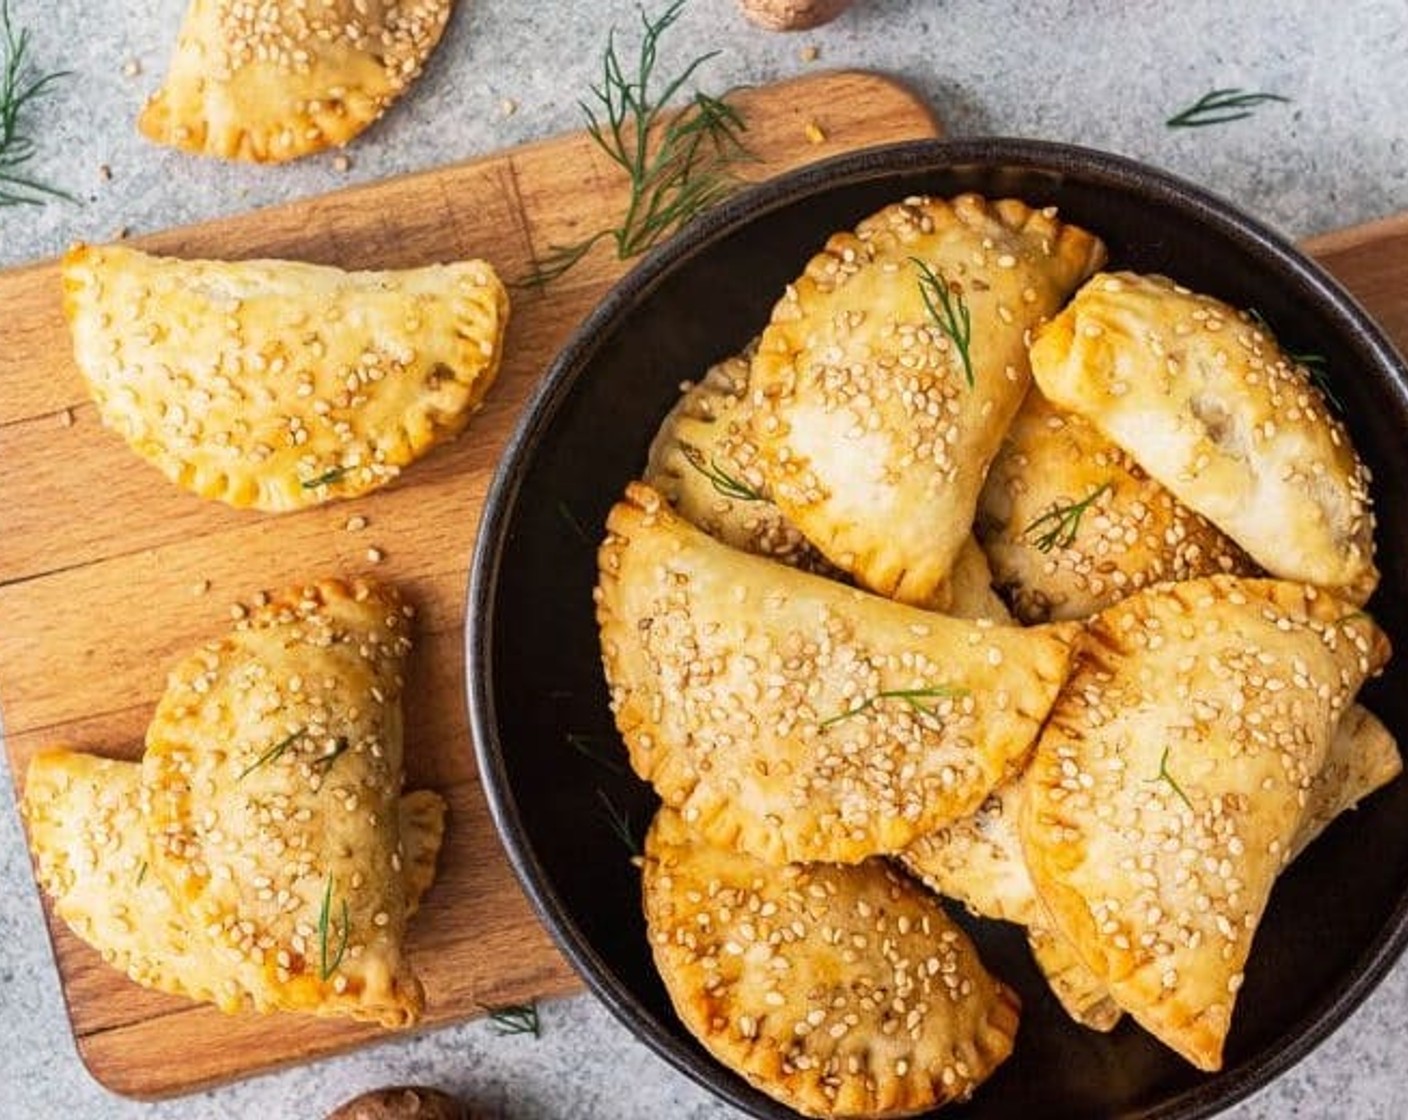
[1103, 73]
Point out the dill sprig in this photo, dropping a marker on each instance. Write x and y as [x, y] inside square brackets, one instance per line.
[274, 752]
[141, 873]
[909, 696]
[600, 749]
[518, 1018]
[619, 821]
[1220, 106]
[17, 91]
[1314, 364]
[725, 483]
[579, 530]
[677, 165]
[949, 311]
[327, 966]
[1164, 776]
[327, 478]
[1058, 525]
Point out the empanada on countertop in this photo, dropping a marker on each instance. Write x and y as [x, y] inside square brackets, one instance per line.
[874, 423]
[271, 82]
[1203, 399]
[798, 718]
[89, 837]
[842, 991]
[273, 776]
[278, 384]
[1170, 781]
[1071, 524]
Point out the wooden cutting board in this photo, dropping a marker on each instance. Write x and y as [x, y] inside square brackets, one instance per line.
[108, 574]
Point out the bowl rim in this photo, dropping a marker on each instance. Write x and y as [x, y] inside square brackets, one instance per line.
[1090, 166]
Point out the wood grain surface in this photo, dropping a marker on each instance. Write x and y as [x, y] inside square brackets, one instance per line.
[109, 575]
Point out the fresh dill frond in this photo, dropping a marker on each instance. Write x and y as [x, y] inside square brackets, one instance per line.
[323, 763]
[327, 478]
[600, 749]
[1315, 364]
[910, 696]
[1058, 525]
[1164, 776]
[619, 822]
[517, 1018]
[725, 483]
[574, 523]
[1221, 106]
[327, 964]
[18, 90]
[677, 163]
[274, 752]
[949, 311]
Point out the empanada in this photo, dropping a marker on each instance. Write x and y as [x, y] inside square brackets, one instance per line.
[272, 82]
[796, 717]
[89, 838]
[278, 384]
[842, 991]
[979, 862]
[1071, 524]
[271, 777]
[704, 461]
[890, 369]
[1171, 779]
[1202, 398]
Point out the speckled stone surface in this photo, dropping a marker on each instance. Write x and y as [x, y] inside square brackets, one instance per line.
[1105, 73]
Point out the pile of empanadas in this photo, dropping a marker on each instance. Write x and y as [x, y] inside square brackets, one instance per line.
[1040, 583]
[261, 854]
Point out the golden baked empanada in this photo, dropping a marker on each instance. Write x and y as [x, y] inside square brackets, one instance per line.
[1203, 399]
[890, 369]
[272, 82]
[278, 384]
[1170, 781]
[979, 862]
[794, 716]
[1071, 524]
[842, 991]
[704, 461]
[89, 837]
[272, 777]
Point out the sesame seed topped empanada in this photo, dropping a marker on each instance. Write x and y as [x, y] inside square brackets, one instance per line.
[272, 777]
[842, 991]
[796, 717]
[1172, 777]
[271, 82]
[890, 369]
[1203, 399]
[279, 384]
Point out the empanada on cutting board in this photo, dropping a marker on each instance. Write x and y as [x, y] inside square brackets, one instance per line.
[1168, 786]
[276, 384]
[798, 718]
[841, 991]
[1203, 399]
[88, 833]
[891, 367]
[271, 82]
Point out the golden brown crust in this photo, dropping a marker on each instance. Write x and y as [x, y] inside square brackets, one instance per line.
[1071, 524]
[796, 717]
[842, 991]
[1201, 396]
[1170, 780]
[273, 82]
[273, 774]
[278, 384]
[873, 442]
[89, 836]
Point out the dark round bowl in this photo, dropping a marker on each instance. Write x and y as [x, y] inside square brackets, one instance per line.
[554, 769]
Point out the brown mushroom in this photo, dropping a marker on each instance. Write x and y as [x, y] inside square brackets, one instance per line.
[405, 1102]
[792, 15]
